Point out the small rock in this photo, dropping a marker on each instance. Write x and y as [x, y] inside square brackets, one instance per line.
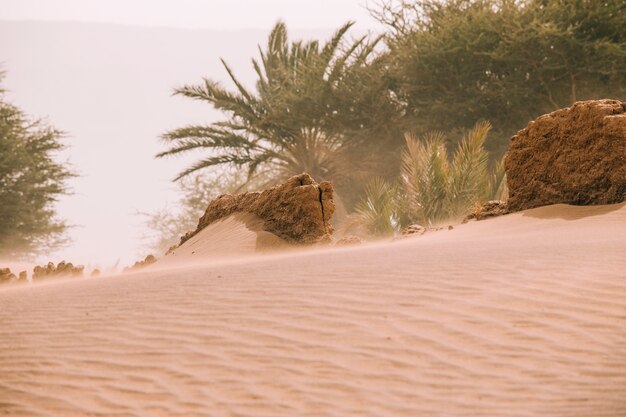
[349, 240]
[491, 208]
[412, 230]
[149, 260]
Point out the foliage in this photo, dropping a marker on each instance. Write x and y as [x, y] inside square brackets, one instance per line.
[425, 176]
[377, 212]
[314, 109]
[433, 188]
[457, 61]
[437, 188]
[338, 109]
[497, 188]
[31, 181]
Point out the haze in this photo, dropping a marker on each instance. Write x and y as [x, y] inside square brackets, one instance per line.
[103, 71]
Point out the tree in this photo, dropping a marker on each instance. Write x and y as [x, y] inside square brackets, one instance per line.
[316, 108]
[30, 183]
[457, 61]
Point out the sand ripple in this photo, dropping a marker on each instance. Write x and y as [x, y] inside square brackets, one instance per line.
[517, 316]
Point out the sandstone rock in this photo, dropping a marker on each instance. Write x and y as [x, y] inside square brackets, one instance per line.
[575, 155]
[491, 208]
[416, 230]
[413, 230]
[7, 276]
[349, 241]
[62, 269]
[148, 260]
[298, 211]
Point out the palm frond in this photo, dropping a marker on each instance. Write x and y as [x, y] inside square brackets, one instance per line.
[339, 66]
[377, 211]
[220, 98]
[437, 189]
[234, 79]
[279, 125]
[425, 173]
[225, 159]
[469, 171]
[497, 188]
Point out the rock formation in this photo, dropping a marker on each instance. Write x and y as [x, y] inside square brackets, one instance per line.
[575, 155]
[349, 240]
[492, 208]
[418, 230]
[413, 230]
[148, 260]
[62, 269]
[7, 276]
[298, 211]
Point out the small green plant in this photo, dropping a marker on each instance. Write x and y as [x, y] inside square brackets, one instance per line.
[377, 213]
[439, 189]
[498, 189]
[425, 176]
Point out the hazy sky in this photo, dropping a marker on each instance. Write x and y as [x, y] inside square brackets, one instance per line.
[109, 87]
[208, 14]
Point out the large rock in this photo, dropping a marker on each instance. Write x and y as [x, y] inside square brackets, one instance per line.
[298, 211]
[575, 156]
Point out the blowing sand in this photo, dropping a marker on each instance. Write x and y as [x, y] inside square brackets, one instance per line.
[236, 236]
[522, 315]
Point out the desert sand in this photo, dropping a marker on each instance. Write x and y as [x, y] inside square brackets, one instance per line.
[236, 236]
[521, 315]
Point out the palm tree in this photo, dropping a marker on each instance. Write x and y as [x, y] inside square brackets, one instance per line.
[433, 188]
[290, 123]
[437, 188]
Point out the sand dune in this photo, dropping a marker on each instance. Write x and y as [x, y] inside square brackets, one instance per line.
[236, 236]
[522, 315]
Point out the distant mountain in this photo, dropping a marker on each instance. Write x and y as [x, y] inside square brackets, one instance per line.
[109, 87]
